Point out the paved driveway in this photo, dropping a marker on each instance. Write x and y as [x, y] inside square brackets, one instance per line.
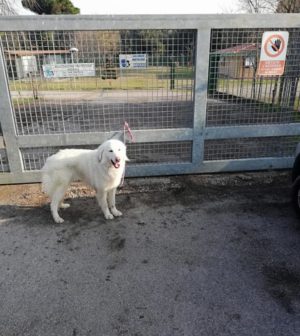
[193, 255]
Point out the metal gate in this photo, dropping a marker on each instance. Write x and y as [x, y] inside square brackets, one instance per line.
[186, 85]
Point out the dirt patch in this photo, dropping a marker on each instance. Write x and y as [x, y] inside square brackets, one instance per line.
[32, 195]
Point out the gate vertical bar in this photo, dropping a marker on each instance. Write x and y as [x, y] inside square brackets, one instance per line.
[200, 100]
[7, 120]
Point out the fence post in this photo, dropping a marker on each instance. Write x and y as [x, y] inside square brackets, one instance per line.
[200, 100]
[7, 121]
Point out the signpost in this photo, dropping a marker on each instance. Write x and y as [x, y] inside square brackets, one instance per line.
[133, 61]
[273, 53]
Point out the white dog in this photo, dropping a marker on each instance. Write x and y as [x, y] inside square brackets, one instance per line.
[102, 168]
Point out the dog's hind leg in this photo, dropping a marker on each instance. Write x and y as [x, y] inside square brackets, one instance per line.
[112, 203]
[57, 198]
[102, 200]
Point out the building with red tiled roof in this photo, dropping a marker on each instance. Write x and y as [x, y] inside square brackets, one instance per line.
[238, 61]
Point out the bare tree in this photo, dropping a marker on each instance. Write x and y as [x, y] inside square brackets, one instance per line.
[269, 6]
[288, 6]
[258, 6]
[7, 7]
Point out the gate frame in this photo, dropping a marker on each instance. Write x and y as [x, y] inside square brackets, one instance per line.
[203, 24]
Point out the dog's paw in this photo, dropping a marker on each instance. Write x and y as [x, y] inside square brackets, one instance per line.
[109, 216]
[116, 212]
[58, 220]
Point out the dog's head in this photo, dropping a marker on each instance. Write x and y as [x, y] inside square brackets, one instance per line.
[113, 152]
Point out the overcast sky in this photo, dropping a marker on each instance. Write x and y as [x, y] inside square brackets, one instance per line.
[155, 6]
[149, 6]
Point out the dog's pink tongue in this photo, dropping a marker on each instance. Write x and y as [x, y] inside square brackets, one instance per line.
[117, 165]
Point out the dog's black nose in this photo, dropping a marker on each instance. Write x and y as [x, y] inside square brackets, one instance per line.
[118, 159]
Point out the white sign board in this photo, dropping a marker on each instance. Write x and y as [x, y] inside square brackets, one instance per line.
[69, 70]
[133, 61]
[273, 53]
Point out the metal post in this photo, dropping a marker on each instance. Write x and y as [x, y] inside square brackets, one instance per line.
[7, 121]
[200, 101]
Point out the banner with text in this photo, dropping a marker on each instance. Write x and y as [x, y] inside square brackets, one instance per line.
[69, 70]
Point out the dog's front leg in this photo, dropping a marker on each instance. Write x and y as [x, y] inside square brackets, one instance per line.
[102, 200]
[112, 203]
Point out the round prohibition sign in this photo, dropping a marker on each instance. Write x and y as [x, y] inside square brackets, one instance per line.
[276, 44]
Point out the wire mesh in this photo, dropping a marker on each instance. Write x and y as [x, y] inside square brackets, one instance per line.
[139, 153]
[160, 152]
[248, 148]
[35, 158]
[236, 96]
[88, 81]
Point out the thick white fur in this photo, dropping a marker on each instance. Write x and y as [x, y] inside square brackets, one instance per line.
[98, 168]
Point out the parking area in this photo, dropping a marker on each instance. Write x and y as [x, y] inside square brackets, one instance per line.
[192, 255]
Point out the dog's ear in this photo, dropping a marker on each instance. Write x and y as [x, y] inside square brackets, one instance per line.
[100, 153]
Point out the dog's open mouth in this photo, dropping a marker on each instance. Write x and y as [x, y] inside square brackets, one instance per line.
[115, 164]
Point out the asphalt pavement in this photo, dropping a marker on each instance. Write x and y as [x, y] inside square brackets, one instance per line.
[192, 255]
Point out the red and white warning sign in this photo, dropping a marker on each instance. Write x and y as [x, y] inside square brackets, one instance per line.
[273, 53]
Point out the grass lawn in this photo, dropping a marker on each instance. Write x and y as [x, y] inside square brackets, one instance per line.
[150, 78]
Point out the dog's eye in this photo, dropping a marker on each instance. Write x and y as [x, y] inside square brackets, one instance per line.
[111, 150]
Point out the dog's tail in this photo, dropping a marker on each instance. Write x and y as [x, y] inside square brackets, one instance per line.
[47, 183]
